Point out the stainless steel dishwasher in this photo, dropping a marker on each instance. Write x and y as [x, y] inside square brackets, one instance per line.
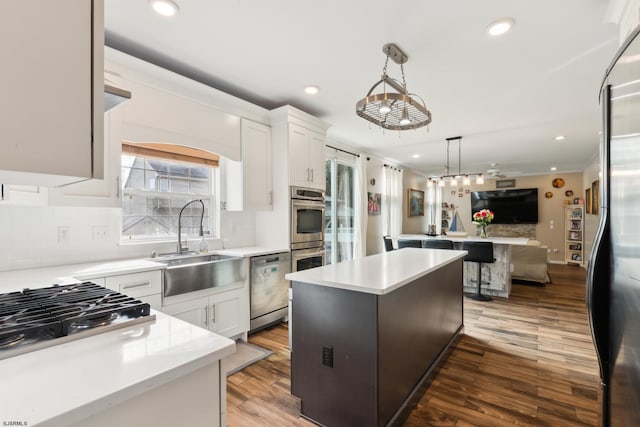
[269, 289]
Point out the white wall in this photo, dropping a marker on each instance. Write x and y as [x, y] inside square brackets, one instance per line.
[413, 224]
[374, 222]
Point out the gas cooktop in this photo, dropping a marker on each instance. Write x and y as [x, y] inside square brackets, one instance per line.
[36, 318]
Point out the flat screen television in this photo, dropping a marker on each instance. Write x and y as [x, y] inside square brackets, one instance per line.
[509, 206]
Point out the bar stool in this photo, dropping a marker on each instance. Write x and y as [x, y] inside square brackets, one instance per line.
[409, 244]
[482, 253]
[437, 244]
[388, 243]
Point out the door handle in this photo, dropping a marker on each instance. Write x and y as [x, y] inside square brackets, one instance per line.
[206, 315]
[311, 174]
[136, 285]
[213, 315]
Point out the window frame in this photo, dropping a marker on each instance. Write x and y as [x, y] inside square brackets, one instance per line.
[211, 227]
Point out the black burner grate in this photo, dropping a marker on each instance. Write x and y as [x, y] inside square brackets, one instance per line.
[46, 313]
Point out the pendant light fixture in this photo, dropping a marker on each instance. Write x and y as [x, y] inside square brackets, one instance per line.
[454, 178]
[397, 109]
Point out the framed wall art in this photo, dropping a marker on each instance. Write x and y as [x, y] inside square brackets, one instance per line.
[595, 195]
[587, 200]
[375, 201]
[416, 202]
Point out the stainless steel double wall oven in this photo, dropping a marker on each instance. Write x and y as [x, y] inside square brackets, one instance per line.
[307, 228]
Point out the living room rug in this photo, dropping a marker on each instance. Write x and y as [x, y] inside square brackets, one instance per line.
[245, 355]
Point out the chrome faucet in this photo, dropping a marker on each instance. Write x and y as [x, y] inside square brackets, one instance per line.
[184, 248]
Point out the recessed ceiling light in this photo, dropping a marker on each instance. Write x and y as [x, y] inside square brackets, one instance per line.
[416, 156]
[559, 138]
[164, 7]
[553, 168]
[311, 90]
[499, 27]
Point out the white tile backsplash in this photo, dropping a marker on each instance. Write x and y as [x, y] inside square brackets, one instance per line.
[29, 236]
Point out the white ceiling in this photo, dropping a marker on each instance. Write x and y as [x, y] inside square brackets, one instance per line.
[508, 97]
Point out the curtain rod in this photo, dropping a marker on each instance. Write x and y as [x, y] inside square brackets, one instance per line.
[344, 151]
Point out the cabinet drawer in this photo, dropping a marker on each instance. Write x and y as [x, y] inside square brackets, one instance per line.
[136, 284]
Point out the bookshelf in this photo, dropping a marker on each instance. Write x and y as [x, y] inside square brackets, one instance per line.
[574, 234]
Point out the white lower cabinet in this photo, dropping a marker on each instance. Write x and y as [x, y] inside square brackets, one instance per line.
[145, 286]
[223, 312]
[193, 311]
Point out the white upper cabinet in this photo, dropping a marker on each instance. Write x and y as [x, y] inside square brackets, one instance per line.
[52, 96]
[257, 172]
[248, 184]
[104, 192]
[306, 157]
[306, 138]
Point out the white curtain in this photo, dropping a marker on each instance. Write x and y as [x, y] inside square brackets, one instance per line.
[360, 209]
[392, 204]
[343, 210]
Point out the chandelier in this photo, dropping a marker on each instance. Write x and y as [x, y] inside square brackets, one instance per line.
[454, 178]
[398, 109]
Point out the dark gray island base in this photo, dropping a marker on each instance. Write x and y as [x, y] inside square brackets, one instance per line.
[358, 358]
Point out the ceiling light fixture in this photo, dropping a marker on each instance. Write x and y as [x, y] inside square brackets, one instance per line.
[399, 110]
[416, 156]
[454, 178]
[553, 168]
[560, 138]
[311, 90]
[499, 27]
[164, 7]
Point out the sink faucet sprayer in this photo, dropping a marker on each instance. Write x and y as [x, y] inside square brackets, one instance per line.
[181, 248]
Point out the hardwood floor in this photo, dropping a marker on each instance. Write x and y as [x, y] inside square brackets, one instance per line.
[526, 361]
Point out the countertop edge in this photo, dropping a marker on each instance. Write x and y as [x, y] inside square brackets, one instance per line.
[110, 401]
[376, 291]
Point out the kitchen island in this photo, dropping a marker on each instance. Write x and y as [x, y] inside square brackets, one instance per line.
[369, 332]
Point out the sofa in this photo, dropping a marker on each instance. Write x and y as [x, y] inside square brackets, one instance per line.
[529, 263]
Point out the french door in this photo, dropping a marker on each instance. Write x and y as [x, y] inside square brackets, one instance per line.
[339, 210]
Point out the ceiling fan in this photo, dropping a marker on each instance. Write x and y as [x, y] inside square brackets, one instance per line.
[494, 172]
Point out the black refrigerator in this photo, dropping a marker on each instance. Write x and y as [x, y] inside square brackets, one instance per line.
[613, 275]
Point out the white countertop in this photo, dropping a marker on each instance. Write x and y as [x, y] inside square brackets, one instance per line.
[249, 251]
[16, 280]
[378, 274]
[66, 383]
[495, 240]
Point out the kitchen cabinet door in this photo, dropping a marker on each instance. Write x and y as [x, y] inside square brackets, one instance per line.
[257, 166]
[248, 184]
[316, 144]
[306, 158]
[195, 311]
[299, 173]
[229, 312]
[52, 100]
[106, 192]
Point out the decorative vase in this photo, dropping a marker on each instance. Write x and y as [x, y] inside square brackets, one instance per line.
[483, 231]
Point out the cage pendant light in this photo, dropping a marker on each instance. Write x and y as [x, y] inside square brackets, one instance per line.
[397, 109]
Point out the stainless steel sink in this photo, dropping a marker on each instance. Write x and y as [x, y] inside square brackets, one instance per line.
[193, 273]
